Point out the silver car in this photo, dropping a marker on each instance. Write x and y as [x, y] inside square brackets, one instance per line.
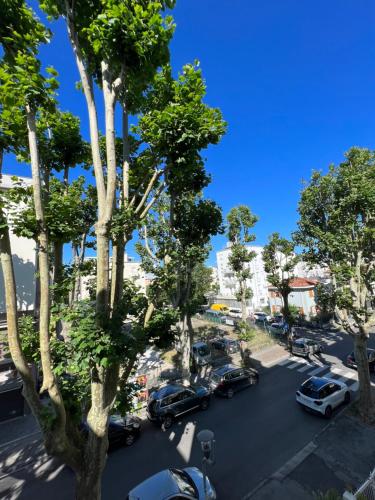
[306, 347]
[171, 483]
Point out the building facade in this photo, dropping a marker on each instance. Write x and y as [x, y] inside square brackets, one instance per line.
[24, 260]
[257, 282]
[301, 296]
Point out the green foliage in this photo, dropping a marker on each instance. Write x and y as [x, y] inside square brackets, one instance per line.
[245, 331]
[240, 221]
[29, 339]
[336, 228]
[177, 125]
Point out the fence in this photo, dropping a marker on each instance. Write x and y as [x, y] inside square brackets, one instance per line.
[364, 492]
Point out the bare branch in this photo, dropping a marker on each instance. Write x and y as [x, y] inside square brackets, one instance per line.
[151, 184]
[155, 198]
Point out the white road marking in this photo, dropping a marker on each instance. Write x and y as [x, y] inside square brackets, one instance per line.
[318, 370]
[307, 367]
[298, 363]
[288, 360]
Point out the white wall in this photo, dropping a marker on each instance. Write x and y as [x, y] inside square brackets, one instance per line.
[257, 282]
[23, 253]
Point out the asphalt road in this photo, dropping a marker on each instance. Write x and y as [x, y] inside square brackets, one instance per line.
[256, 433]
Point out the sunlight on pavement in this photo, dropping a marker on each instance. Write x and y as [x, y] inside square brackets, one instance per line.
[186, 442]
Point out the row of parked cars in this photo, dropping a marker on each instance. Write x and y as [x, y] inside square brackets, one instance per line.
[174, 400]
[201, 352]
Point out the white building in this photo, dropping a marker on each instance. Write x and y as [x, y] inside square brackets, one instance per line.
[24, 260]
[132, 271]
[315, 272]
[257, 283]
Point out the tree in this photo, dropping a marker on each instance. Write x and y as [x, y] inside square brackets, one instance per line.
[176, 245]
[119, 46]
[337, 228]
[239, 222]
[279, 262]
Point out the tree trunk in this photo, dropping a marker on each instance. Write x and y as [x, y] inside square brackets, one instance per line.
[366, 404]
[243, 301]
[57, 264]
[185, 350]
[37, 283]
[49, 381]
[14, 341]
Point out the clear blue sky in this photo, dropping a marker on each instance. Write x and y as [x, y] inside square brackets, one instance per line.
[295, 81]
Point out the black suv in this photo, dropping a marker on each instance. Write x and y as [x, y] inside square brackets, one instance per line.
[229, 379]
[174, 400]
[122, 431]
[227, 345]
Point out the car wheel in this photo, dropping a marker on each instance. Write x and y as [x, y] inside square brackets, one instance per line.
[205, 403]
[167, 422]
[347, 397]
[328, 412]
[230, 393]
[129, 440]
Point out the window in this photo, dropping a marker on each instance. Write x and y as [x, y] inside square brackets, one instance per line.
[170, 400]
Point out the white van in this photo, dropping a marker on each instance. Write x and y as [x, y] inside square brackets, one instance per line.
[235, 312]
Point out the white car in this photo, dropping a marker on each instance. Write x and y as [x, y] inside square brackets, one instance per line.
[235, 312]
[174, 484]
[322, 395]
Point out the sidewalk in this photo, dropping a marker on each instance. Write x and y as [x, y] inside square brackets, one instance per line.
[269, 356]
[339, 458]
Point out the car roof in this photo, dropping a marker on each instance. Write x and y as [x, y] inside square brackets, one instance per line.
[225, 369]
[317, 383]
[199, 344]
[167, 390]
[160, 485]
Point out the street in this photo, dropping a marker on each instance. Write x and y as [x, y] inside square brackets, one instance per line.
[256, 433]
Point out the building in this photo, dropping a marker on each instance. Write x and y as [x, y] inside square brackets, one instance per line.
[315, 272]
[132, 271]
[301, 296]
[257, 282]
[24, 260]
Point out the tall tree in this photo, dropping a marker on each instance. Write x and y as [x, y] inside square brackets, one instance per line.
[337, 228]
[118, 47]
[279, 262]
[239, 222]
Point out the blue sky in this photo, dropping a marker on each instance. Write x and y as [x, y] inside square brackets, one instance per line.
[295, 81]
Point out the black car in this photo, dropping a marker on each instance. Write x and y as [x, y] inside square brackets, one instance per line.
[350, 360]
[225, 344]
[173, 400]
[122, 431]
[228, 379]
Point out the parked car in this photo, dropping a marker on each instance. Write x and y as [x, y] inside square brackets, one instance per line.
[322, 395]
[173, 400]
[216, 315]
[351, 363]
[226, 345]
[200, 353]
[235, 312]
[306, 347]
[228, 379]
[122, 431]
[174, 484]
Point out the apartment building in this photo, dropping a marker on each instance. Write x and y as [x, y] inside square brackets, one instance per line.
[257, 282]
[24, 260]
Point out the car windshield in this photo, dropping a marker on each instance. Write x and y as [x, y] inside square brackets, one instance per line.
[184, 482]
[203, 350]
[309, 390]
[215, 377]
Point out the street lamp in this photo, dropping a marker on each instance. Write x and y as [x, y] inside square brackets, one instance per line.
[207, 442]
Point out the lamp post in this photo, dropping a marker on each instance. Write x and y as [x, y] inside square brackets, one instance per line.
[207, 442]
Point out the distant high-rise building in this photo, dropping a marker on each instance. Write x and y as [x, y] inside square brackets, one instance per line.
[257, 282]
